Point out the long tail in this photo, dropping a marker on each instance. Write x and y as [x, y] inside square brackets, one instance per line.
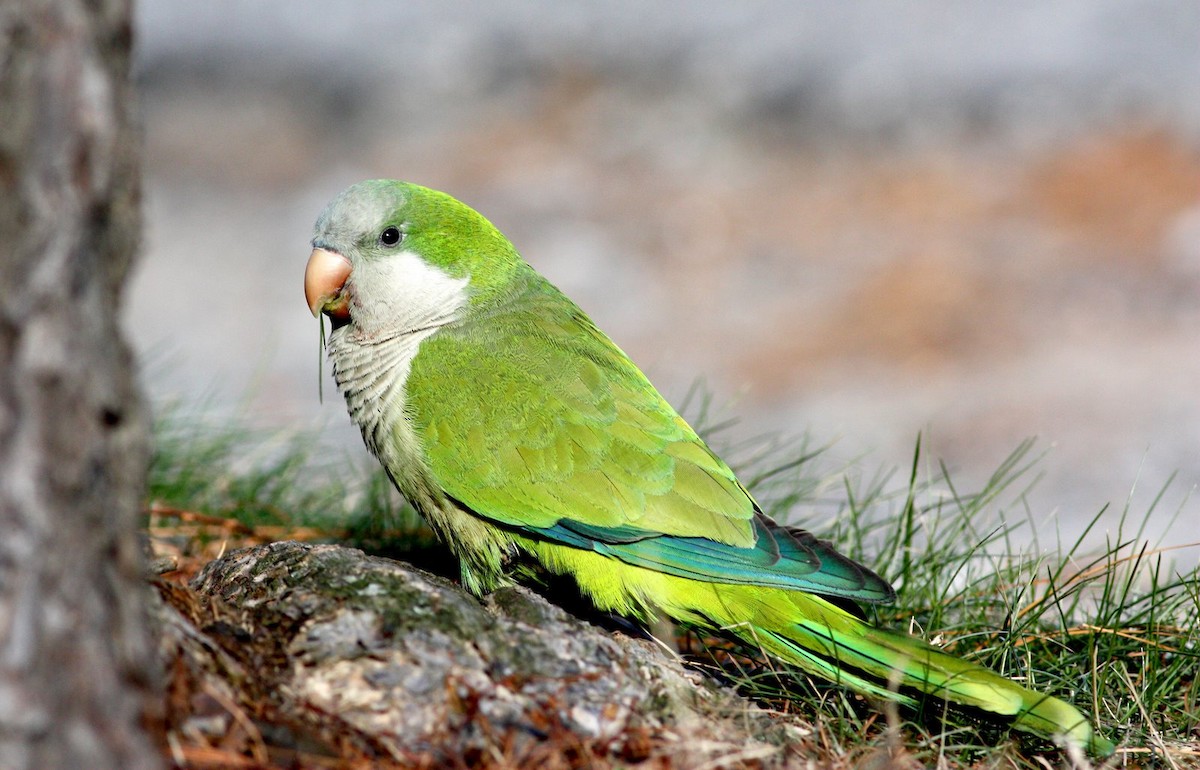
[832, 644]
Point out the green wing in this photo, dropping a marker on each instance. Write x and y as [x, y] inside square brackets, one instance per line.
[533, 419]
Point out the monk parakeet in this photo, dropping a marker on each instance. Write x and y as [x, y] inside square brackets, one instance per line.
[517, 428]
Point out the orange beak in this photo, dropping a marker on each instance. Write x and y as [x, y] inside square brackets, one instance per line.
[325, 283]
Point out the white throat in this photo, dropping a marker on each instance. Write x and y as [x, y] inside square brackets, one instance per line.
[403, 294]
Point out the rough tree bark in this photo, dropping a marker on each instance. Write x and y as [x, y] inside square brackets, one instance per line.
[75, 658]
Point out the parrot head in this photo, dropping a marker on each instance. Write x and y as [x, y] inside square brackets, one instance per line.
[392, 257]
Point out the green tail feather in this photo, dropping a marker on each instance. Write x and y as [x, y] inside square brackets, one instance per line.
[822, 639]
[892, 665]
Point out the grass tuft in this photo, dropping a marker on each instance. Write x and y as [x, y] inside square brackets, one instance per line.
[1116, 630]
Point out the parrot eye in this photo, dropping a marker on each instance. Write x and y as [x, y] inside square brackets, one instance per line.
[390, 236]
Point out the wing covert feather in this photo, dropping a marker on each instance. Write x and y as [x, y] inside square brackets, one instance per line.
[548, 411]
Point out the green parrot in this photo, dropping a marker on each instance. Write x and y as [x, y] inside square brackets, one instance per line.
[516, 427]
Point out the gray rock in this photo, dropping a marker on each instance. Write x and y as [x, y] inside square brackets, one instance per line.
[377, 658]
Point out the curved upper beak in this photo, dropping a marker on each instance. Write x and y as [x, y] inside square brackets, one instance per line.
[325, 283]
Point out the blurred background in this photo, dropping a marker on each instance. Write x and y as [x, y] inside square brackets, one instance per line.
[973, 221]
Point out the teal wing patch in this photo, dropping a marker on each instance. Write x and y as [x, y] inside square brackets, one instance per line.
[782, 557]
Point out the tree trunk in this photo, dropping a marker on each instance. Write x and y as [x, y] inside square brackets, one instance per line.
[76, 663]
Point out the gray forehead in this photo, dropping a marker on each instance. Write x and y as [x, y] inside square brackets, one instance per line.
[358, 209]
